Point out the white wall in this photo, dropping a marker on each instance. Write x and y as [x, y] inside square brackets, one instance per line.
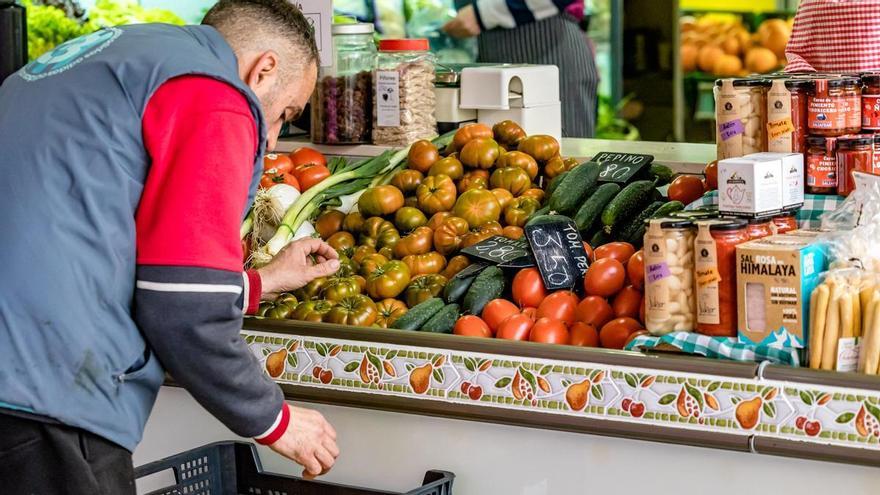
[391, 451]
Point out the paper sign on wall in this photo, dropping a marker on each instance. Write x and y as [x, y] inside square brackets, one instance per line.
[320, 16]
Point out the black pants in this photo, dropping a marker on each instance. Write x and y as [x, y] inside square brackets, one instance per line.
[38, 458]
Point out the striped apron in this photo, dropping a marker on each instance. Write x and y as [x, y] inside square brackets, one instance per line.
[553, 41]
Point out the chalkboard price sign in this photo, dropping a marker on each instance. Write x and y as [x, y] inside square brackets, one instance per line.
[498, 250]
[620, 167]
[559, 252]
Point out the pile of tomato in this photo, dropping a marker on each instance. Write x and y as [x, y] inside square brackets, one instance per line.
[301, 169]
[610, 313]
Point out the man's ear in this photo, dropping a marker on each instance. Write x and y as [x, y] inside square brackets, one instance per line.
[264, 71]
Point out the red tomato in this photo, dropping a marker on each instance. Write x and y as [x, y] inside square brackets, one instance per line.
[635, 334]
[531, 313]
[627, 302]
[621, 251]
[686, 188]
[584, 335]
[275, 164]
[615, 333]
[595, 311]
[309, 175]
[589, 250]
[605, 277]
[496, 311]
[471, 326]
[550, 331]
[711, 173]
[516, 327]
[528, 288]
[269, 180]
[559, 305]
[635, 269]
[307, 156]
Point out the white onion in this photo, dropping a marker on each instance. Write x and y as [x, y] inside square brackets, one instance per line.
[349, 202]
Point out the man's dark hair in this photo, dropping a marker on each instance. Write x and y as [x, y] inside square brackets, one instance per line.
[240, 21]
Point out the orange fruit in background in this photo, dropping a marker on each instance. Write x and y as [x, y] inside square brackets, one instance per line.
[727, 65]
[709, 54]
[761, 60]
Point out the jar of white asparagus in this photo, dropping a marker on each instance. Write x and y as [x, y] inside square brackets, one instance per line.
[403, 85]
[670, 300]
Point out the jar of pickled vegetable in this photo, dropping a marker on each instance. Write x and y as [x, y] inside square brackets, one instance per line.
[715, 275]
[669, 276]
[760, 227]
[821, 166]
[871, 102]
[835, 108]
[342, 103]
[785, 222]
[854, 152]
[403, 92]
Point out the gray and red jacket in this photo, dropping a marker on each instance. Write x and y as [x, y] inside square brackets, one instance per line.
[129, 157]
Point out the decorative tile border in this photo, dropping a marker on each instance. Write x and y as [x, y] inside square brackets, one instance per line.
[816, 414]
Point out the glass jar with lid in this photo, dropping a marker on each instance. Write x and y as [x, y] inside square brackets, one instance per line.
[854, 152]
[715, 273]
[800, 90]
[342, 104]
[821, 166]
[403, 92]
[760, 227]
[670, 300]
[785, 222]
[753, 112]
[835, 108]
[871, 102]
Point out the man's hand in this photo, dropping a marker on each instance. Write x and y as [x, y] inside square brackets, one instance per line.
[310, 441]
[464, 25]
[296, 265]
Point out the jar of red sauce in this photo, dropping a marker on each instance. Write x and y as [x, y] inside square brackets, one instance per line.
[778, 111]
[876, 154]
[835, 108]
[871, 102]
[785, 222]
[760, 227]
[715, 275]
[854, 152]
[821, 166]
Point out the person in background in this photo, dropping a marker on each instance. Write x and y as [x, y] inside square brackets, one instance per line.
[835, 36]
[143, 148]
[537, 32]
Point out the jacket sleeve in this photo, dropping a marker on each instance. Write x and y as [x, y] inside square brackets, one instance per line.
[191, 291]
[509, 14]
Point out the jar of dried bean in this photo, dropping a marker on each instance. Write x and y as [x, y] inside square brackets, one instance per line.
[670, 302]
[404, 92]
[754, 113]
[342, 104]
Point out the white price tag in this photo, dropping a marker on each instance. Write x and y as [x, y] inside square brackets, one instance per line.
[388, 98]
[848, 354]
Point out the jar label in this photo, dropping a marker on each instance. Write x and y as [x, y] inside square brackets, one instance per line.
[826, 113]
[871, 112]
[387, 99]
[707, 276]
[657, 274]
[821, 171]
[730, 126]
[779, 124]
[853, 111]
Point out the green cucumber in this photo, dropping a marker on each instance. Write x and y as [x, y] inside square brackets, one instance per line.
[538, 213]
[554, 183]
[668, 209]
[599, 238]
[634, 232]
[457, 287]
[591, 208]
[488, 285]
[443, 321]
[661, 173]
[627, 204]
[574, 187]
[418, 314]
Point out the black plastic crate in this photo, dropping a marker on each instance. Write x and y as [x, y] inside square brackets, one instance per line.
[233, 468]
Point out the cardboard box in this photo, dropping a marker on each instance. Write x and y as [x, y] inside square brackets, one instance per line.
[750, 187]
[792, 173]
[775, 277]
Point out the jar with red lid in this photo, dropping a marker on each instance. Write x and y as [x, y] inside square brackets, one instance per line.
[821, 166]
[785, 222]
[835, 108]
[854, 152]
[871, 102]
[403, 99]
[715, 274]
[760, 227]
